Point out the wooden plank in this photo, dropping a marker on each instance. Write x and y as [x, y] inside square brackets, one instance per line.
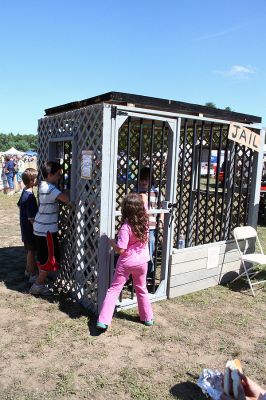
[157, 103]
[180, 272]
[232, 255]
[188, 266]
[201, 279]
[194, 265]
[191, 287]
[199, 252]
[188, 254]
[193, 276]
[228, 246]
[230, 266]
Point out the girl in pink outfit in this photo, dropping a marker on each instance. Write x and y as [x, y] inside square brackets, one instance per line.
[132, 246]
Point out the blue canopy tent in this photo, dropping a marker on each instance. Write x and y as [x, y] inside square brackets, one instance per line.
[31, 153]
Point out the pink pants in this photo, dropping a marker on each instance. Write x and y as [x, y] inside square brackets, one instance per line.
[121, 275]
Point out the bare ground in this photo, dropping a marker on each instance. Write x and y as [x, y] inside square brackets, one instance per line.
[50, 350]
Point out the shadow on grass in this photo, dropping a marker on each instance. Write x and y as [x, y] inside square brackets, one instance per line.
[92, 327]
[74, 310]
[187, 391]
[125, 316]
[12, 261]
[118, 314]
[241, 285]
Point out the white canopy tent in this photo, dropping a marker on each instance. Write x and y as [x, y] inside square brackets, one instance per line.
[13, 152]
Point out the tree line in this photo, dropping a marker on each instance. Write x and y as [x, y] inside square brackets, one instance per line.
[20, 142]
[212, 105]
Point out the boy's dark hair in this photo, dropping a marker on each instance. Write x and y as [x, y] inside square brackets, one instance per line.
[29, 175]
[145, 174]
[50, 167]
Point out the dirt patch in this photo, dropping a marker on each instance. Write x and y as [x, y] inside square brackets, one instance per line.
[50, 350]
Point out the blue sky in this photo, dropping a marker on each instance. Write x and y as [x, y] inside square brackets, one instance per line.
[59, 51]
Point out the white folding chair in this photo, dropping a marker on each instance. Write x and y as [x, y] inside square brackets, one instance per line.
[244, 233]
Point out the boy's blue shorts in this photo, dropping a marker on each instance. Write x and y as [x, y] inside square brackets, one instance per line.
[19, 176]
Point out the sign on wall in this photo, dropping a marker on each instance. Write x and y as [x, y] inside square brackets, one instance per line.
[86, 164]
[240, 134]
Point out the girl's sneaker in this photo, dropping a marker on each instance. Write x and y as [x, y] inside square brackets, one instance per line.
[101, 326]
[40, 290]
[149, 323]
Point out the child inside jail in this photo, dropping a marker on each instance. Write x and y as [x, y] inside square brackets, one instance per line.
[150, 194]
[45, 225]
[132, 247]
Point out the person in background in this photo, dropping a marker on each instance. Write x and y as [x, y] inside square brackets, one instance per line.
[132, 247]
[45, 227]
[9, 170]
[15, 161]
[20, 169]
[3, 179]
[28, 209]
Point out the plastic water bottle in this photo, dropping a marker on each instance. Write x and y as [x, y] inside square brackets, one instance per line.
[181, 241]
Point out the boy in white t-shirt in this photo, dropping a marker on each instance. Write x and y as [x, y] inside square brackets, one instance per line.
[45, 225]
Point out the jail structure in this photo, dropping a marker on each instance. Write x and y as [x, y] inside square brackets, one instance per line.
[205, 184]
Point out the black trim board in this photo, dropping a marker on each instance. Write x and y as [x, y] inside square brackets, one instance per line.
[157, 104]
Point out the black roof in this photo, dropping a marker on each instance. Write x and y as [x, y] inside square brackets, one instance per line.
[157, 104]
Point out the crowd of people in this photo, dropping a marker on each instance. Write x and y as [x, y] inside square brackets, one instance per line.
[11, 170]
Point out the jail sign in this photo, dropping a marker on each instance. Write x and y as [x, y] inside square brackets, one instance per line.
[240, 134]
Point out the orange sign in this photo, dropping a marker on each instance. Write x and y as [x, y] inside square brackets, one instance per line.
[240, 134]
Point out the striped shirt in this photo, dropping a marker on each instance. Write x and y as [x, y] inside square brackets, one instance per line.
[154, 193]
[153, 205]
[46, 219]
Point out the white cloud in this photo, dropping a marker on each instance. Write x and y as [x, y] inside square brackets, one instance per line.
[230, 29]
[237, 71]
[214, 35]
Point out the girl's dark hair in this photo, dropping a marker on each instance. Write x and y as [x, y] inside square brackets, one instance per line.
[50, 167]
[29, 175]
[133, 210]
[7, 158]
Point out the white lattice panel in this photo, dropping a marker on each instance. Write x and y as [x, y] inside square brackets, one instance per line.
[79, 226]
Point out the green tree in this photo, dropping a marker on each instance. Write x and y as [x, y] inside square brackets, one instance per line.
[20, 142]
[210, 104]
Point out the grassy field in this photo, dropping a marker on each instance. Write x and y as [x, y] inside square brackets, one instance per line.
[50, 350]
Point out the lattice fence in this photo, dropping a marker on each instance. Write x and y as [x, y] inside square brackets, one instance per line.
[211, 205]
[79, 225]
